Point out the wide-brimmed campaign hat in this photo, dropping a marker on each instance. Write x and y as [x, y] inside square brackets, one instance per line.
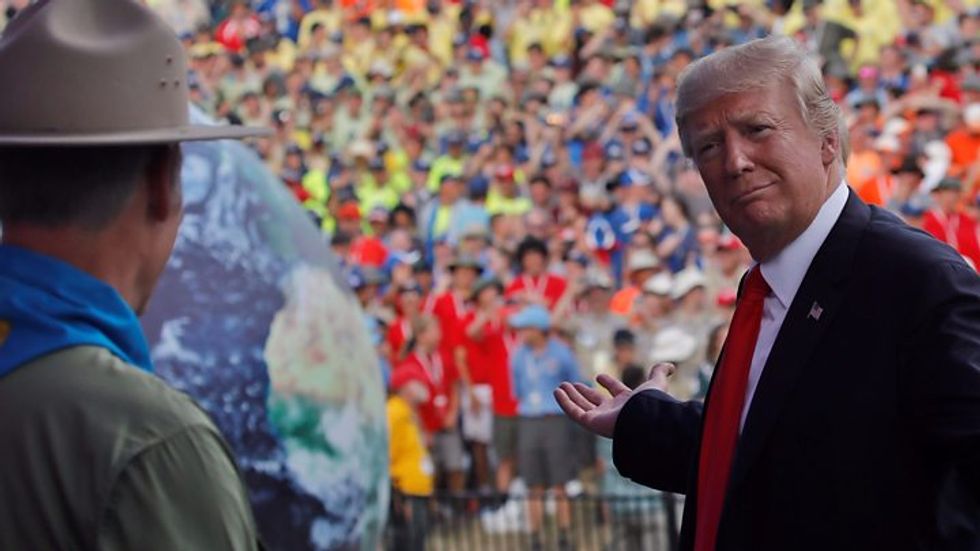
[96, 72]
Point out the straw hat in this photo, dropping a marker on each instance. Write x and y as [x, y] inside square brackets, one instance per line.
[96, 72]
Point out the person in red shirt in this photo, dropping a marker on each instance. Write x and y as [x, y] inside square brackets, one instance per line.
[365, 250]
[533, 285]
[408, 304]
[241, 26]
[487, 341]
[440, 412]
[451, 306]
[948, 224]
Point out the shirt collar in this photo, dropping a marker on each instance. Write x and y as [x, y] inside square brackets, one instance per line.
[784, 272]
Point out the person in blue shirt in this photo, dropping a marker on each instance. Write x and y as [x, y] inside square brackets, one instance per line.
[544, 455]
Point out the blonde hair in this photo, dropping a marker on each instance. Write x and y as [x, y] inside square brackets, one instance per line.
[757, 64]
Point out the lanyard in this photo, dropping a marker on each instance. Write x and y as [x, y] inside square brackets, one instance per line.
[534, 365]
[459, 305]
[537, 287]
[432, 366]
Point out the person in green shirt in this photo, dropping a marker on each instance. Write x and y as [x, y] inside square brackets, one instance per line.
[505, 196]
[452, 162]
[375, 189]
[99, 453]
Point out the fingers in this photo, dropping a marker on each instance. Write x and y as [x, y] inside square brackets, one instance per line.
[570, 408]
[659, 374]
[613, 385]
[589, 393]
[575, 395]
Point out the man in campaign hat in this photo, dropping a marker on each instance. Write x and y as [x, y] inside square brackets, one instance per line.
[98, 452]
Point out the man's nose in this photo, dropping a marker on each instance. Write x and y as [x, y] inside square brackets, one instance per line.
[738, 157]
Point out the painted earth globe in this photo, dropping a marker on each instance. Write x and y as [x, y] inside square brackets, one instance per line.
[253, 319]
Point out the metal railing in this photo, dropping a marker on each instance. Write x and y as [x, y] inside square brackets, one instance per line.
[471, 522]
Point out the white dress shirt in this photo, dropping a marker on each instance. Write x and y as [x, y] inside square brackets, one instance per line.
[784, 273]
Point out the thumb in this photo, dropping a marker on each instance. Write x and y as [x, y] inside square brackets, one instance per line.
[659, 374]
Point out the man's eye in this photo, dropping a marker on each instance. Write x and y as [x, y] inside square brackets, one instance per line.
[705, 148]
[760, 128]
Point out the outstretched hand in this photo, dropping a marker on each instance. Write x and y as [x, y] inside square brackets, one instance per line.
[598, 412]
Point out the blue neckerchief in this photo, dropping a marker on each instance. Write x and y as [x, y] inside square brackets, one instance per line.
[47, 305]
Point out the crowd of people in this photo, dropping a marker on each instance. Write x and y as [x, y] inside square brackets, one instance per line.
[505, 188]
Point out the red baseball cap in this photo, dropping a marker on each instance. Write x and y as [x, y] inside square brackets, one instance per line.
[726, 298]
[349, 211]
[729, 242]
[504, 172]
[593, 151]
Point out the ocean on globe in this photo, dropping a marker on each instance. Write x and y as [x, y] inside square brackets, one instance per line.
[254, 320]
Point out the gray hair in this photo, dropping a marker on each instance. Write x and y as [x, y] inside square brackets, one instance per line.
[70, 186]
[756, 64]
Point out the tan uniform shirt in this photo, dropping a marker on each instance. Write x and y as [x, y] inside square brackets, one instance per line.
[97, 454]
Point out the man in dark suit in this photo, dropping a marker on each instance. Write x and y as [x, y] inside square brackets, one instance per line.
[844, 412]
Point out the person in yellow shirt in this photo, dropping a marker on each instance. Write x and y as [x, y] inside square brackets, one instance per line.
[592, 15]
[442, 26]
[409, 462]
[330, 17]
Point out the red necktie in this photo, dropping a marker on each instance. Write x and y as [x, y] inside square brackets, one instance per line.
[723, 416]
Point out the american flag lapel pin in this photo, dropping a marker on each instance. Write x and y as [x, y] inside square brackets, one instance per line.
[815, 312]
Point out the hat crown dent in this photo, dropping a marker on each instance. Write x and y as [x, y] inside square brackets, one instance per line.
[89, 66]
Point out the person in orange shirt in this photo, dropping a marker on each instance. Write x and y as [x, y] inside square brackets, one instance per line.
[964, 143]
[877, 190]
[865, 161]
[641, 266]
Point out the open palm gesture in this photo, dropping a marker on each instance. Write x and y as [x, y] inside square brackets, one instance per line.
[598, 412]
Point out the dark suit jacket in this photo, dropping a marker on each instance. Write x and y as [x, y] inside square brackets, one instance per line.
[864, 431]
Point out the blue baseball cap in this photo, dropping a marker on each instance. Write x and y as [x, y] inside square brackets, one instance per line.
[641, 146]
[561, 61]
[912, 208]
[455, 137]
[376, 163]
[633, 177]
[614, 150]
[630, 121]
[548, 159]
[421, 165]
[533, 316]
[478, 185]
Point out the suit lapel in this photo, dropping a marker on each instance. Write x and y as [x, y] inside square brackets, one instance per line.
[817, 302]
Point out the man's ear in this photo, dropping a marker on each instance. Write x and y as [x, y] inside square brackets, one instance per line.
[163, 183]
[830, 148]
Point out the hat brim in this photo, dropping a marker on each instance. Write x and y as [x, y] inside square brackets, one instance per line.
[186, 133]
[464, 265]
[643, 266]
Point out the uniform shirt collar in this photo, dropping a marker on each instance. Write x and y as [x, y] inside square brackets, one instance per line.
[784, 272]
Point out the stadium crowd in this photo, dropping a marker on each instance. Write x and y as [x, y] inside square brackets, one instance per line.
[505, 188]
